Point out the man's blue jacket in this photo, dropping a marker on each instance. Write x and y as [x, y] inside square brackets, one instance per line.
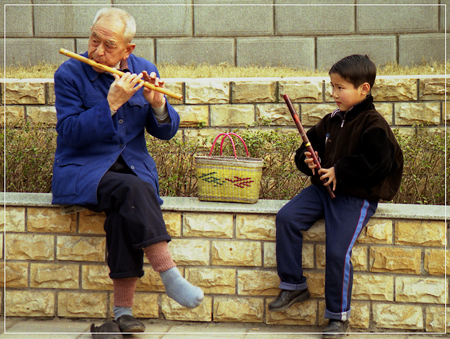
[90, 140]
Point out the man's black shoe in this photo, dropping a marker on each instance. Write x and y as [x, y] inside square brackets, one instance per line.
[109, 330]
[128, 323]
[335, 329]
[286, 298]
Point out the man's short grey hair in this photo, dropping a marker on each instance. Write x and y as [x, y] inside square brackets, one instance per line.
[127, 19]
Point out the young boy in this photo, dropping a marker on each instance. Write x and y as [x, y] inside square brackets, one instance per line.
[363, 163]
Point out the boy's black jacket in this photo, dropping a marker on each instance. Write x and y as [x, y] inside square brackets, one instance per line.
[359, 143]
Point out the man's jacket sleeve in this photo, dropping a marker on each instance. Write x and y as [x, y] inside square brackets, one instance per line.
[163, 131]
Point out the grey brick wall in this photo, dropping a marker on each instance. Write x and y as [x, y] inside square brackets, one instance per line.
[294, 33]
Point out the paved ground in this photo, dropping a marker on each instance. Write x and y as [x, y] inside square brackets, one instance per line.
[157, 329]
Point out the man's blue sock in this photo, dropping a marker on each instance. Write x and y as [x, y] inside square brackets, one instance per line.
[121, 310]
[180, 290]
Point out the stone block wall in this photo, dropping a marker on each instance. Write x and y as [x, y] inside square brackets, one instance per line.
[294, 33]
[54, 265]
[210, 106]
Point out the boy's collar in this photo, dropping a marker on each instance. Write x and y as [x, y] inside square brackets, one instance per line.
[356, 108]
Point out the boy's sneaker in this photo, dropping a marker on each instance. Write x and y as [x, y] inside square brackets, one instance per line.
[335, 329]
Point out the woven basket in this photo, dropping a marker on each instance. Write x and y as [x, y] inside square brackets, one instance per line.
[228, 178]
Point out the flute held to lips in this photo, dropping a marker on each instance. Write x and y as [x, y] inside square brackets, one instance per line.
[305, 138]
[115, 71]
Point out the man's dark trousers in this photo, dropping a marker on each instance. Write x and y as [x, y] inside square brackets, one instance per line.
[133, 220]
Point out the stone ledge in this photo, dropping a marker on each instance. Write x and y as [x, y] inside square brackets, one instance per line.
[385, 210]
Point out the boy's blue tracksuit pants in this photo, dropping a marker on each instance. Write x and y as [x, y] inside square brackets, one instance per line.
[345, 217]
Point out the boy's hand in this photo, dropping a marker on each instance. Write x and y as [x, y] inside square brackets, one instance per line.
[328, 176]
[310, 161]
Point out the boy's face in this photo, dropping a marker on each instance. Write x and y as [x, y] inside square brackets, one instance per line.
[345, 94]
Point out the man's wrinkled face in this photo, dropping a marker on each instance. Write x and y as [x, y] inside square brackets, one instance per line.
[106, 43]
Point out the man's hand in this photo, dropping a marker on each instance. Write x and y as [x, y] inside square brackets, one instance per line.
[156, 99]
[328, 176]
[122, 89]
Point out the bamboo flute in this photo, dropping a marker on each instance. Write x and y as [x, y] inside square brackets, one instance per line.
[305, 139]
[116, 71]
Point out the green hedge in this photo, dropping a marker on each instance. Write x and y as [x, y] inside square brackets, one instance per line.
[30, 151]
[29, 158]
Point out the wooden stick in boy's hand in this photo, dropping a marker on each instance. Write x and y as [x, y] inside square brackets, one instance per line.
[305, 139]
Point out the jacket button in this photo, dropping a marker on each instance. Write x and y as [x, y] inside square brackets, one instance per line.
[132, 167]
[121, 121]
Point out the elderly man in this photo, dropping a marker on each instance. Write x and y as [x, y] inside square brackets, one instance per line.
[102, 162]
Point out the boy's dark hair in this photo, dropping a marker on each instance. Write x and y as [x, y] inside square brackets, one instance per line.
[356, 69]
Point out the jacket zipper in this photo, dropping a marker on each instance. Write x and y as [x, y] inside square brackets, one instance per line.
[343, 120]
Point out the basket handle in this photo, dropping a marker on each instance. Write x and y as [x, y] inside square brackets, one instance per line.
[239, 137]
[225, 135]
